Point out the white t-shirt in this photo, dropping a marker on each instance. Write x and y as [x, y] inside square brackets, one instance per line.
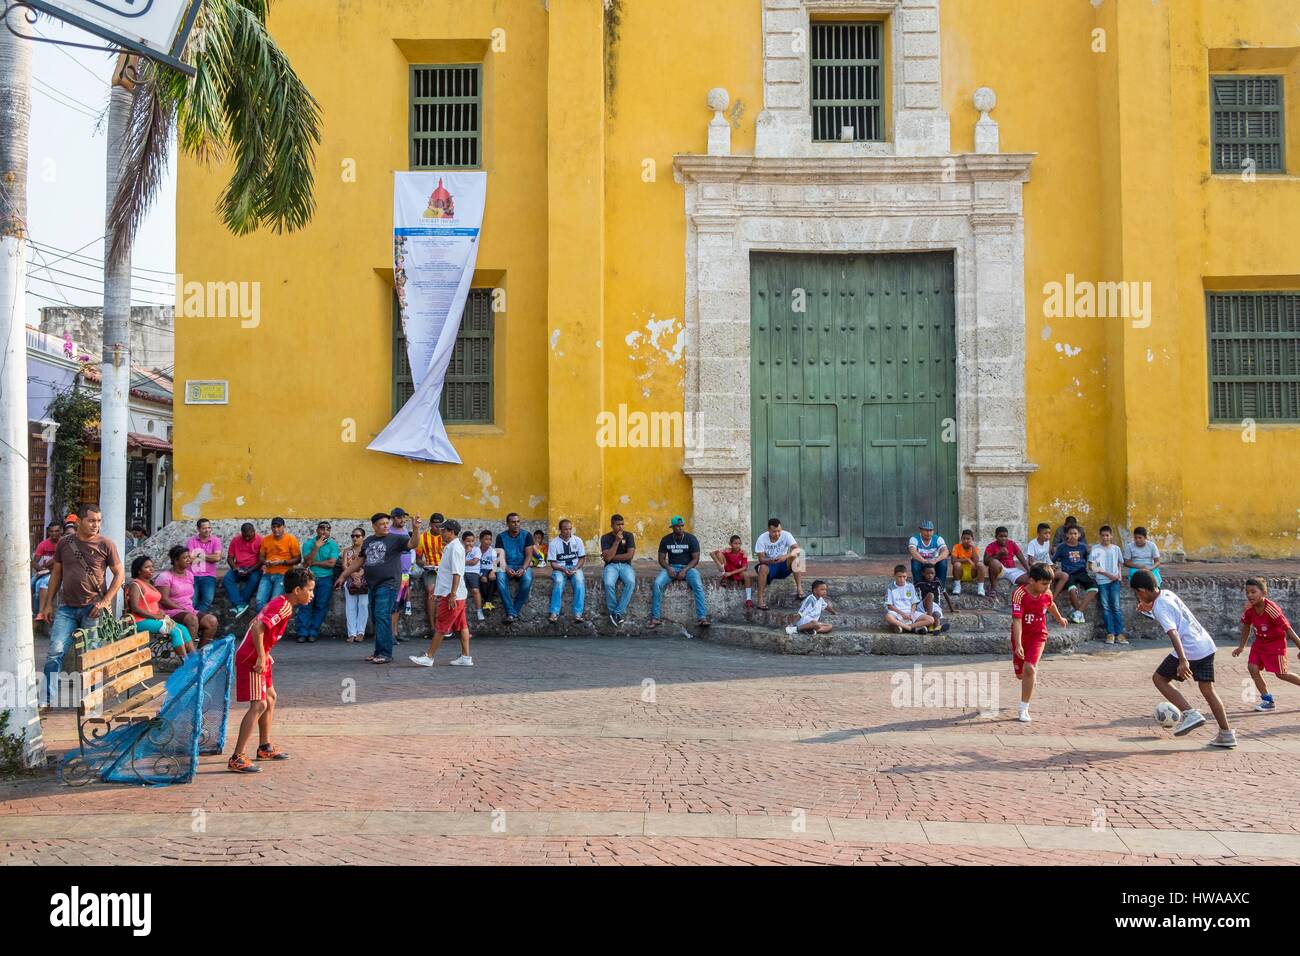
[811, 609]
[487, 559]
[565, 553]
[1039, 552]
[1143, 557]
[1172, 615]
[902, 598]
[1106, 558]
[452, 563]
[927, 551]
[774, 549]
[472, 558]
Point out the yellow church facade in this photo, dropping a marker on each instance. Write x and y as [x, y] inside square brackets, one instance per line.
[855, 263]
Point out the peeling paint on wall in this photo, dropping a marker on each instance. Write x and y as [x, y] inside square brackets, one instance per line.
[1068, 350]
[535, 500]
[1046, 333]
[239, 502]
[486, 487]
[662, 341]
[194, 509]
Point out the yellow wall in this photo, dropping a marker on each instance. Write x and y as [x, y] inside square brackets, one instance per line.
[587, 226]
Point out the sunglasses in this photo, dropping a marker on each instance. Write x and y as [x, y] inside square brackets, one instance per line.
[358, 536]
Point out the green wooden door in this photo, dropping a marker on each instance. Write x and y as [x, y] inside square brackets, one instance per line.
[853, 377]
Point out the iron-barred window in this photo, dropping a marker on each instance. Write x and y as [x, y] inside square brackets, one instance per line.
[467, 389]
[1246, 123]
[446, 117]
[1254, 341]
[847, 73]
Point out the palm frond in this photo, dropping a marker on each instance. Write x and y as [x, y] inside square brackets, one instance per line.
[144, 163]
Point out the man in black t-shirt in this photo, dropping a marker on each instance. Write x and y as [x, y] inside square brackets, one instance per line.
[381, 560]
[679, 553]
[617, 548]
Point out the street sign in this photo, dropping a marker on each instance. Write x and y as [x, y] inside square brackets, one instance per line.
[156, 29]
[207, 393]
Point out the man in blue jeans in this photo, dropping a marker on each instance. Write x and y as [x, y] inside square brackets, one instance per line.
[516, 546]
[381, 559]
[617, 549]
[679, 553]
[245, 568]
[79, 576]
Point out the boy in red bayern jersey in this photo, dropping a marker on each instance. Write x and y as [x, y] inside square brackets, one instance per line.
[1268, 652]
[253, 662]
[1030, 602]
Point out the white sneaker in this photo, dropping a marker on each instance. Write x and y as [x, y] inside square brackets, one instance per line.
[1023, 715]
[792, 630]
[979, 589]
[956, 587]
[1191, 719]
[1078, 618]
[1226, 738]
[424, 660]
[463, 661]
[479, 612]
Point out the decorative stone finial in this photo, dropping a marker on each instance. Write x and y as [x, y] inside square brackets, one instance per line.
[719, 129]
[986, 130]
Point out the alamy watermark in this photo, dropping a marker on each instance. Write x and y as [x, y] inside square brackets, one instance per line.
[949, 690]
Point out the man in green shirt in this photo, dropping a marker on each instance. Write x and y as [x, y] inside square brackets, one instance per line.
[320, 555]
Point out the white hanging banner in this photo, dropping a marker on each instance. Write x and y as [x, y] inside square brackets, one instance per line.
[436, 222]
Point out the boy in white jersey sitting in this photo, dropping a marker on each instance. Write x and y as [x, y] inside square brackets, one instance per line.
[902, 605]
[811, 610]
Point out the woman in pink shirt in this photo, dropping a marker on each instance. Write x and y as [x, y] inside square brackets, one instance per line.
[205, 549]
[176, 586]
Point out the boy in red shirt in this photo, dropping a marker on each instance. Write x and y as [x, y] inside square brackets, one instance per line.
[734, 565]
[1030, 603]
[253, 661]
[1268, 652]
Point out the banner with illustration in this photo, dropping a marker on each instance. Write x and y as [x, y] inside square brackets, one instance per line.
[436, 222]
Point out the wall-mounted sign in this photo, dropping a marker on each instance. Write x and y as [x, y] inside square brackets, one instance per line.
[207, 393]
[157, 29]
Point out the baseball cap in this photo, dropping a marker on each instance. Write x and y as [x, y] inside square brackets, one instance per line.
[397, 513]
[436, 518]
[677, 520]
[927, 525]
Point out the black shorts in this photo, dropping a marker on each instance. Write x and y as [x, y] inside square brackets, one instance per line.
[1082, 580]
[1202, 670]
[471, 580]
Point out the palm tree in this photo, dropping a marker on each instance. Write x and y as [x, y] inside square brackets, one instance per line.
[245, 104]
[16, 650]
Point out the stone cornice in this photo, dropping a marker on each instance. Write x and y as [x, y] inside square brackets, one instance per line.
[958, 168]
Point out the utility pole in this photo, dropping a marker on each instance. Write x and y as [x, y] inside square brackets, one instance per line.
[17, 656]
[115, 415]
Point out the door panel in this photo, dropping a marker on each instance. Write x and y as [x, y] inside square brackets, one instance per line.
[804, 472]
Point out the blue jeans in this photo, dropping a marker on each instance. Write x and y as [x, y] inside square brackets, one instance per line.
[579, 582]
[205, 589]
[697, 588]
[1108, 594]
[271, 585]
[382, 600]
[515, 604]
[241, 592]
[311, 617]
[614, 573]
[66, 620]
[940, 571]
[39, 583]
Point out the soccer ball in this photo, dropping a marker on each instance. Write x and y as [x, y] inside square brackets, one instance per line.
[1167, 714]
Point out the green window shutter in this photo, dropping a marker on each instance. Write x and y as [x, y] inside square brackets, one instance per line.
[467, 389]
[847, 77]
[446, 116]
[1246, 123]
[1254, 356]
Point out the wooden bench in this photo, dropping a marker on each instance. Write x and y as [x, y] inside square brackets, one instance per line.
[113, 681]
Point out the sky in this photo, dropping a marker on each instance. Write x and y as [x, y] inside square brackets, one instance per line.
[65, 186]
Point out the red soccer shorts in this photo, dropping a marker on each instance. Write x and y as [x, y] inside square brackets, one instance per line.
[1033, 646]
[449, 616]
[250, 685]
[1269, 656]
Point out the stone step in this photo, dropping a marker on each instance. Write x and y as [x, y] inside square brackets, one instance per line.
[850, 642]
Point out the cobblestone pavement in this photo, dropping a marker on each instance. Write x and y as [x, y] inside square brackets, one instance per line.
[670, 750]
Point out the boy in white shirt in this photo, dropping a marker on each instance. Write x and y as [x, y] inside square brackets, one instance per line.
[1104, 564]
[1141, 554]
[811, 610]
[487, 569]
[473, 556]
[901, 606]
[449, 595]
[1039, 551]
[1193, 657]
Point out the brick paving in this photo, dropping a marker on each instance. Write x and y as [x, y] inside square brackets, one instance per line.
[576, 741]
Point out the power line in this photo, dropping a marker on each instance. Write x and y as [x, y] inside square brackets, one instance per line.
[75, 109]
[98, 293]
[166, 290]
[95, 262]
[67, 96]
[69, 55]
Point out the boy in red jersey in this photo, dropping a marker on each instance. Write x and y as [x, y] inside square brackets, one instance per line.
[253, 684]
[1030, 602]
[1268, 652]
[734, 565]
